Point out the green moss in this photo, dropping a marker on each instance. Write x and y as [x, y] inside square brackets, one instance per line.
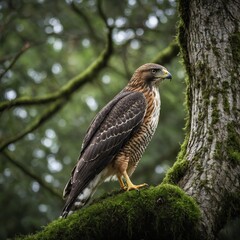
[177, 171]
[225, 89]
[233, 144]
[210, 136]
[218, 153]
[215, 116]
[235, 50]
[235, 41]
[199, 167]
[214, 105]
[203, 184]
[214, 48]
[234, 155]
[163, 212]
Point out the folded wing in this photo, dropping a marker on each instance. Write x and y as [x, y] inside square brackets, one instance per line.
[109, 131]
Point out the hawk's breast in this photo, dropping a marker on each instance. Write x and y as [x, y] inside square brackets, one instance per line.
[136, 146]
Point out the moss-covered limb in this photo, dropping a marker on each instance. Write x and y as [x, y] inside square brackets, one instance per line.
[167, 54]
[163, 212]
[37, 122]
[30, 174]
[72, 85]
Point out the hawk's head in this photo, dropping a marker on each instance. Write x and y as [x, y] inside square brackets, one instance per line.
[148, 75]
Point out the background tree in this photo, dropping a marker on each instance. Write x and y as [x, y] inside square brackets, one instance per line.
[60, 63]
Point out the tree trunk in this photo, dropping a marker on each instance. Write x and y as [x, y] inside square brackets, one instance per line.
[209, 35]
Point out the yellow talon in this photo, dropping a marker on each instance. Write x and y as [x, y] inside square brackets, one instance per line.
[130, 185]
[136, 187]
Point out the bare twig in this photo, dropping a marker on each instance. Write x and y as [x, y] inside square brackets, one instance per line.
[86, 20]
[32, 175]
[101, 13]
[17, 56]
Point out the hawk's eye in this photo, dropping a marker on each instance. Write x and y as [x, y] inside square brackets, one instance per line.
[154, 71]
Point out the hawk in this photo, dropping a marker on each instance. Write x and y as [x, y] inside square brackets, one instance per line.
[117, 138]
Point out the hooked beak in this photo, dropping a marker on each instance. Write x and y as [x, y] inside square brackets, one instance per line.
[166, 75]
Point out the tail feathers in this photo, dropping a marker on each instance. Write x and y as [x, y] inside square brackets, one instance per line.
[68, 186]
[82, 199]
[75, 201]
[67, 189]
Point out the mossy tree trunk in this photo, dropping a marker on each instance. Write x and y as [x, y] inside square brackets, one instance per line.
[209, 35]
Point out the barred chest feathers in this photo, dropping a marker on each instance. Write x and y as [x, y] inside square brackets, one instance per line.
[138, 143]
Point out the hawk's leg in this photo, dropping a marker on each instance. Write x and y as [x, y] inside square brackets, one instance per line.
[122, 185]
[130, 185]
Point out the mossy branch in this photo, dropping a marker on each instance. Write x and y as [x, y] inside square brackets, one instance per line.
[167, 54]
[32, 175]
[162, 212]
[72, 85]
[60, 97]
[55, 107]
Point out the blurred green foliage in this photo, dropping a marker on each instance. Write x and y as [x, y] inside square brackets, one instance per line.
[44, 44]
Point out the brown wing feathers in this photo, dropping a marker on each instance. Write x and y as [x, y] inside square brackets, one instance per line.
[94, 126]
[107, 134]
[100, 117]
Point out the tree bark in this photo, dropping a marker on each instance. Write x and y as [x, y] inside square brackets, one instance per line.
[209, 35]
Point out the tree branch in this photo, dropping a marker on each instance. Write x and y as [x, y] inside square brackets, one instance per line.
[101, 13]
[167, 54]
[66, 91]
[71, 86]
[17, 56]
[32, 175]
[86, 20]
[35, 124]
